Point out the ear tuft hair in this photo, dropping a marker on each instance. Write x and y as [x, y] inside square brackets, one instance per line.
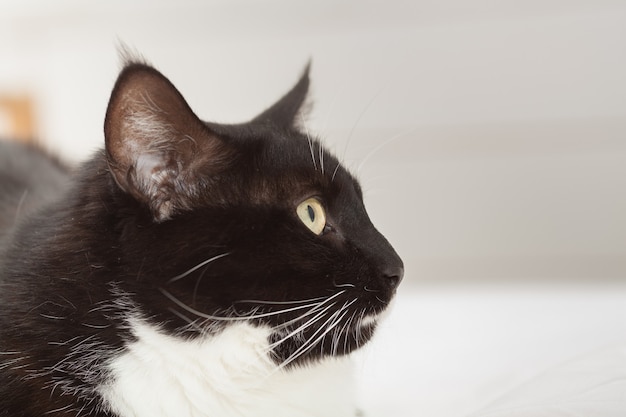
[129, 55]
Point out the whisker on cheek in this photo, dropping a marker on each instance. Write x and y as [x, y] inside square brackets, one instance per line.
[308, 300]
[195, 268]
[304, 326]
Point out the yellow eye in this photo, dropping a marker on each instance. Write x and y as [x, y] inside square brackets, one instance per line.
[312, 215]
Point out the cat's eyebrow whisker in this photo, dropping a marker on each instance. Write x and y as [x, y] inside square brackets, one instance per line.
[382, 145]
[332, 179]
[321, 152]
[358, 119]
[308, 138]
[195, 268]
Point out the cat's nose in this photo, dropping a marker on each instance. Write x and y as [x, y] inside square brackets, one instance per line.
[392, 276]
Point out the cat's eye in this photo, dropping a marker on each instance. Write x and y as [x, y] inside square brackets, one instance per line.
[312, 214]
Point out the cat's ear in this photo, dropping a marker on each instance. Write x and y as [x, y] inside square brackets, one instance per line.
[285, 113]
[157, 148]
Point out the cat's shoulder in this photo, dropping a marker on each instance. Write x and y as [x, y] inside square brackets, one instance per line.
[29, 178]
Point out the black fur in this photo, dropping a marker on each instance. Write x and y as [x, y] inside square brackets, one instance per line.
[145, 211]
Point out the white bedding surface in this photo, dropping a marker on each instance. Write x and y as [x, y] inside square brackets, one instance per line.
[593, 385]
[455, 350]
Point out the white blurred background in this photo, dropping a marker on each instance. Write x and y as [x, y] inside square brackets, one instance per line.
[490, 138]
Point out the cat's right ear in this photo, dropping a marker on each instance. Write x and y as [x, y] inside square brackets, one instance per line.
[287, 112]
[157, 149]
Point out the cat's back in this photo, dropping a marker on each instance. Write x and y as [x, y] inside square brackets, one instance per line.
[29, 179]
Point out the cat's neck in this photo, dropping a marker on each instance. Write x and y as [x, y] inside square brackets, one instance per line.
[229, 374]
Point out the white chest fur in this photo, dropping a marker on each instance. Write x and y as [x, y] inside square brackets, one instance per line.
[228, 374]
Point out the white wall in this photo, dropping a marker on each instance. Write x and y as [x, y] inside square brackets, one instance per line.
[493, 133]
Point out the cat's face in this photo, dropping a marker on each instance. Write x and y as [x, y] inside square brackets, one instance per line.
[253, 222]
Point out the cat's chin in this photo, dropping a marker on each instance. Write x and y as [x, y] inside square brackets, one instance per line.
[299, 351]
[369, 321]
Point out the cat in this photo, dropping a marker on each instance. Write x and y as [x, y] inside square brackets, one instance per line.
[189, 268]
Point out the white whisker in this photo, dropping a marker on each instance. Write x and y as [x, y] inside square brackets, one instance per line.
[195, 288]
[67, 342]
[358, 119]
[59, 409]
[226, 318]
[382, 145]
[280, 302]
[18, 209]
[341, 331]
[195, 268]
[331, 108]
[303, 327]
[321, 343]
[338, 332]
[308, 137]
[329, 325]
[307, 313]
[359, 326]
[96, 326]
[345, 343]
[191, 323]
[311, 344]
[287, 324]
[321, 152]
[332, 179]
[48, 316]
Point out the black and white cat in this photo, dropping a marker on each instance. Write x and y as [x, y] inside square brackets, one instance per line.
[189, 269]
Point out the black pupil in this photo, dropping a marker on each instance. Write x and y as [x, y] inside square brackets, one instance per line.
[311, 213]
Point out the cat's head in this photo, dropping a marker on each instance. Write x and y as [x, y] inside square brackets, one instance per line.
[256, 222]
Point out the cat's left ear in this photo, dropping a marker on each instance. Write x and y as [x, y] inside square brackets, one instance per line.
[286, 112]
[158, 150]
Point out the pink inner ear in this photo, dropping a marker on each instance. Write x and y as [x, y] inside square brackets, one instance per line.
[150, 171]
